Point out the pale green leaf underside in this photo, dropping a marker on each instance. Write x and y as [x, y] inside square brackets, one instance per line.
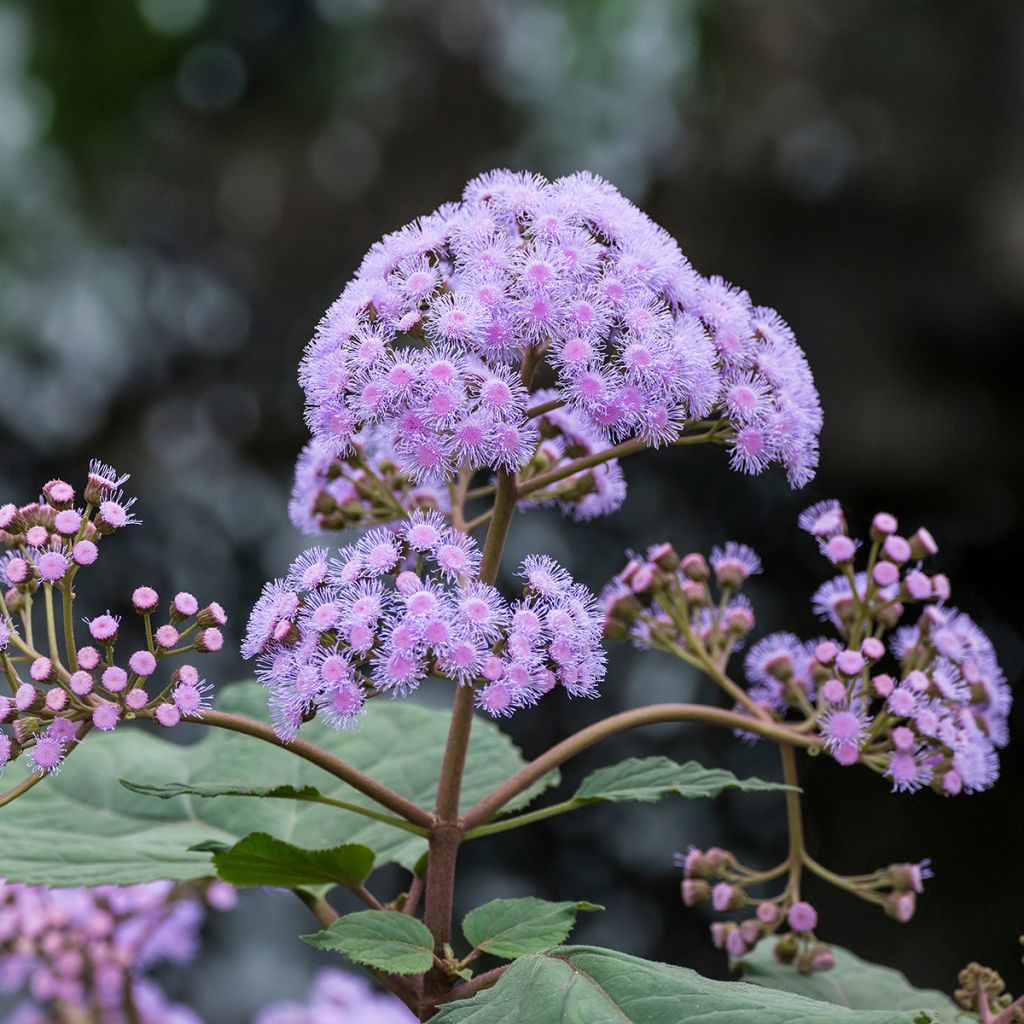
[852, 982]
[385, 939]
[586, 985]
[83, 828]
[514, 928]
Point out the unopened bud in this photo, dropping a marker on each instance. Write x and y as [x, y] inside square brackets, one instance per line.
[664, 556]
[695, 567]
[922, 544]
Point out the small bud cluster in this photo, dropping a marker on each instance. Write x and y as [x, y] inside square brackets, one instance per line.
[405, 604]
[715, 876]
[55, 697]
[338, 997]
[90, 949]
[439, 337]
[664, 602]
[366, 487]
[982, 986]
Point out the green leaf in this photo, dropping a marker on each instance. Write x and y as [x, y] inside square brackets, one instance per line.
[81, 828]
[648, 779]
[385, 939]
[586, 985]
[852, 982]
[259, 859]
[513, 928]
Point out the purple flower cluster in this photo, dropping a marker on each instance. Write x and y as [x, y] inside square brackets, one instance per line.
[89, 949]
[451, 321]
[405, 604]
[367, 487]
[923, 702]
[73, 688]
[338, 997]
[716, 878]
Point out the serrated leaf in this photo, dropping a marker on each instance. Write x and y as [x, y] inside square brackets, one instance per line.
[648, 779]
[82, 828]
[587, 985]
[514, 928]
[385, 939]
[853, 982]
[259, 859]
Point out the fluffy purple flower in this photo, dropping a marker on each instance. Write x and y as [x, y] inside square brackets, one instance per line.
[401, 605]
[427, 341]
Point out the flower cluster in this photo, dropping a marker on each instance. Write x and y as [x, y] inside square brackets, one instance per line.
[715, 877]
[404, 604]
[451, 321]
[663, 602]
[922, 701]
[338, 997]
[89, 949]
[366, 487]
[55, 697]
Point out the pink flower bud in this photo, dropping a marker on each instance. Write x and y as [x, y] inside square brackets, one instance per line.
[106, 717]
[834, 691]
[735, 945]
[85, 552]
[885, 574]
[167, 715]
[58, 493]
[767, 913]
[883, 525]
[184, 605]
[145, 599]
[922, 544]
[136, 699]
[103, 628]
[694, 891]
[903, 738]
[114, 679]
[850, 663]
[840, 549]
[897, 550]
[36, 536]
[846, 753]
[212, 615]
[81, 683]
[41, 669]
[166, 637]
[142, 663]
[901, 906]
[88, 658]
[210, 640]
[695, 567]
[56, 699]
[940, 587]
[883, 685]
[918, 681]
[67, 522]
[918, 585]
[825, 653]
[872, 648]
[802, 917]
[724, 897]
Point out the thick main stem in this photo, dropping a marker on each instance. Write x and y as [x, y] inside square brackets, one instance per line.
[447, 830]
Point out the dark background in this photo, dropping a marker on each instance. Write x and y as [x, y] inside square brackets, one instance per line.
[185, 186]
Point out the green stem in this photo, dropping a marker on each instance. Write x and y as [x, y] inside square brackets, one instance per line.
[797, 850]
[51, 624]
[505, 824]
[67, 597]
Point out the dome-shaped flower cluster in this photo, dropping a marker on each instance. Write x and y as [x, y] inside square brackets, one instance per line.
[452, 323]
[402, 605]
[338, 997]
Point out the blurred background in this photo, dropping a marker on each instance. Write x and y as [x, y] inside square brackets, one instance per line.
[186, 185]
